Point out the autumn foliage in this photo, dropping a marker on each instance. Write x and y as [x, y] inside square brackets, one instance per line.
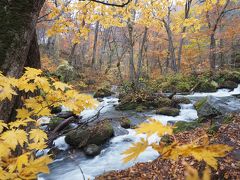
[21, 139]
[199, 149]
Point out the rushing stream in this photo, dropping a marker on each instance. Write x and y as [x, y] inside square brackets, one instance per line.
[69, 168]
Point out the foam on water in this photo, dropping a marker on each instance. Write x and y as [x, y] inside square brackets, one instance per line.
[60, 143]
[218, 93]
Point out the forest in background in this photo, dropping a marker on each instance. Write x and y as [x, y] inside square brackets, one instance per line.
[145, 39]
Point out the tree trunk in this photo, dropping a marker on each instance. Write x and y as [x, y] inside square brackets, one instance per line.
[187, 10]
[171, 48]
[212, 54]
[95, 45]
[131, 53]
[140, 55]
[72, 55]
[18, 43]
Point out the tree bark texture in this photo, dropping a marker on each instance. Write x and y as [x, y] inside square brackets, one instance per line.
[18, 43]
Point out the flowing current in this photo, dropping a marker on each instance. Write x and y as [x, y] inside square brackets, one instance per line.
[81, 167]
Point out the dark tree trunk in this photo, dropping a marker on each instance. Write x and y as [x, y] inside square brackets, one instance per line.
[18, 43]
[95, 45]
[131, 53]
[140, 55]
[212, 54]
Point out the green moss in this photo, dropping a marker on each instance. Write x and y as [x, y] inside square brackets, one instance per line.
[167, 139]
[213, 129]
[228, 119]
[141, 108]
[185, 126]
[54, 122]
[200, 103]
[168, 111]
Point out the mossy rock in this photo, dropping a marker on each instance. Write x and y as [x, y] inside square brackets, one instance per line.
[185, 126]
[167, 139]
[228, 85]
[141, 108]
[231, 76]
[200, 103]
[54, 122]
[163, 102]
[181, 100]
[127, 106]
[102, 92]
[125, 122]
[206, 86]
[92, 150]
[168, 111]
[95, 134]
[213, 129]
[208, 108]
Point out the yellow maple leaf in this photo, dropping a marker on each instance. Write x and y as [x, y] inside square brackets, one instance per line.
[23, 113]
[2, 125]
[31, 73]
[37, 146]
[135, 150]
[21, 161]
[36, 166]
[18, 123]
[38, 135]
[61, 86]
[14, 137]
[154, 126]
[4, 149]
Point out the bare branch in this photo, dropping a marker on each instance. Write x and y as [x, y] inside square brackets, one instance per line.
[110, 4]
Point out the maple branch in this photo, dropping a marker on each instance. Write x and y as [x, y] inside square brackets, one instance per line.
[110, 4]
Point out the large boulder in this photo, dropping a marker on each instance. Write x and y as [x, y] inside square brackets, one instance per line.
[92, 150]
[228, 85]
[181, 100]
[213, 106]
[168, 111]
[95, 134]
[206, 86]
[102, 92]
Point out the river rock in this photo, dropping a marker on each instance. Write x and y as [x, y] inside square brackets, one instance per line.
[94, 134]
[206, 87]
[102, 92]
[228, 85]
[181, 100]
[92, 150]
[54, 122]
[65, 114]
[125, 122]
[55, 110]
[213, 106]
[168, 111]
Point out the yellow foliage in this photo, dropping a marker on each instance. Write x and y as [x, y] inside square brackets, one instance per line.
[135, 150]
[21, 138]
[199, 151]
[154, 126]
[192, 174]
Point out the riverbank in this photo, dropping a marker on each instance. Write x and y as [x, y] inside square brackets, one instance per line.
[229, 167]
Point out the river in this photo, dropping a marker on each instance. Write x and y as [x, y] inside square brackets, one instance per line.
[81, 167]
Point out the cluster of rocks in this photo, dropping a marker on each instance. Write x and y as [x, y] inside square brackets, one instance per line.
[160, 103]
[218, 110]
[91, 137]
